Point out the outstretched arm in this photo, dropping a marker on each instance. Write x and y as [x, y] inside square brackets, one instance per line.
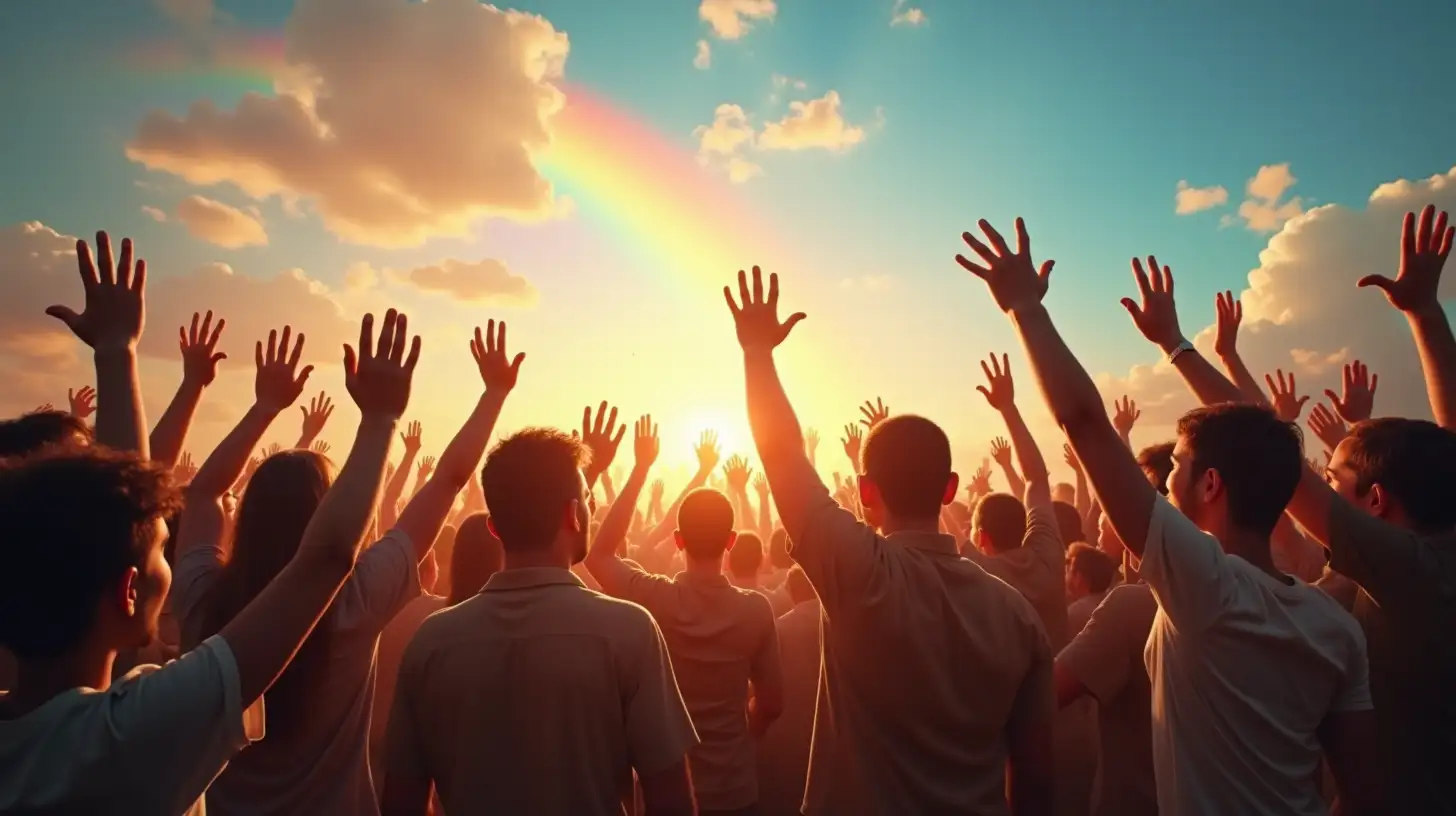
[1003, 455]
[315, 417]
[1000, 392]
[602, 559]
[1226, 345]
[394, 485]
[199, 368]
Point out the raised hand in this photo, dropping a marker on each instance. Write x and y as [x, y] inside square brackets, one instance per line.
[44, 408]
[1230, 313]
[199, 349]
[655, 496]
[1359, 385]
[278, 382]
[321, 447]
[378, 376]
[1288, 405]
[272, 450]
[1124, 416]
[760, 485]
[185, 469]
[1013, 279]
[1070, 457]
[755, 316]
[598, 436]
[1000, 389]
[1001, 451]
[1157, 316]
[1326, 426]
[811, 442]
[496, 369]
[427, 466]
[853, 440]
[83, 402]
[736, 473]
[316, 415]
[645, 444]
[874, 413]
[115, 309]
[413, 437]
[707, 451]
[1423, 250]
[980, 484]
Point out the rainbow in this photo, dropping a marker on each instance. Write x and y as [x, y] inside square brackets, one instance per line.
[633, 182]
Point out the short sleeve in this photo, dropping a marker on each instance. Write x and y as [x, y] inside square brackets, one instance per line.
[1044, 539]
[838, 553]
[385, 578]
[624, 579]
[1392, 565]
[1186, 569]
[1354, 692]
[659, 731]
[192, 577]
[1104, 654]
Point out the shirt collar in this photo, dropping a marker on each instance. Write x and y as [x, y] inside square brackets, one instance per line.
[531, 578]
[701, 578]
[934, 542]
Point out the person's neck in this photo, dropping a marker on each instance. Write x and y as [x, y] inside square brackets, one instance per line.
[534, 559]
[1250, 546]
[710, 567]
[742, 582]
[38, 681]
[891, 525]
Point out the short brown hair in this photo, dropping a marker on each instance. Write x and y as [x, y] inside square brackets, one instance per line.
[1157, 461]
[528, 479]
[705, 521]
[745, 559]
[1259, 458]
[908, 459]
[1414, 460]
[1095, 566]
[1002, 517]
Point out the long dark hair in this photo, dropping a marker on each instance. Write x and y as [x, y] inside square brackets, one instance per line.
[276, 507]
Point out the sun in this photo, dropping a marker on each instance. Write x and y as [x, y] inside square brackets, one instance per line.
[733, 434]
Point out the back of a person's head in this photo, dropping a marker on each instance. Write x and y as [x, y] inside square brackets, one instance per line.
[1098, 569]
[529, 479]
[38, 430]
[1413, 461]
[477, 556]
[778, 550]
[1157, 463]
[705, 524]
[1259, 459]
[745, 559]
[1064, 492]
[1001, 517]
[76, 521]
[800, 590]
[907, 458]
[1069, 523]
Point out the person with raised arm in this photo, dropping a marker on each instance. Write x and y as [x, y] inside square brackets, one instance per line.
[538, 695]
[1252, 671]
[314, 759]
[200, 357]
[721, 638]
[909, 626]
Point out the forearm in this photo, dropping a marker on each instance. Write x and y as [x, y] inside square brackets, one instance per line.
[389, 502]
[1432, 333]
[1205, 381]
[668, 522]
[765, 518]
[1084, 496]
[1014, 483]
[120, 419]
[613, 531]
[338, 525]
[778, 437]
[1242, 378]
[1070, 393]
[170, 434]
[226, 463]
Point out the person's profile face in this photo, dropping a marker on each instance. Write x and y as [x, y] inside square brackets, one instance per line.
[153, 583]
[1107, 538]
[1180, 481]
[1342, 478]
[582, 533]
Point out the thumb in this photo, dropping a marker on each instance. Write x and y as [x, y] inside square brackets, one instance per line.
[1334, 398]
[351, 362]
[1302, 401]
[1375, 280]
[792, 321]
[984, 392]
[516, 363]
[1132, 309]
[65, 314]
[304, 411]
[219, 357]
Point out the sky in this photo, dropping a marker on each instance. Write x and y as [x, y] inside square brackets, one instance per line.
[592, 173]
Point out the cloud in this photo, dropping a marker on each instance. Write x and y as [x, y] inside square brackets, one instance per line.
[1188, 200]
[193, 15]
[484, 281]
[1262, 210]
[704, 58]
[729, 19]
[398, 121]
[818, 123]
[741, 169]
[729, 132]
[900, 15]
[1302, 310]
[217, 223]
[360, 276]
[154, 213]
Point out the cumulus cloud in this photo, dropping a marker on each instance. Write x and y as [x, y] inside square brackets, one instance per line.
[903, 15]
[731, 19]
[193, 15]
[1263, 210]
[741, 169]
[1188, 200]
[729, 132]
[398, 121]
[154, 214]
[484, 281]
[818, 123]
[360, 276]
[703, 60]
[1302, 310]
[217, 223]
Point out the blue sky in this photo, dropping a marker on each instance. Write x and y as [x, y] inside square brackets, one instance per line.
[1081, 117]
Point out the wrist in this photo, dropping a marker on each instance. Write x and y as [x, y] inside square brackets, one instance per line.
[114, 351]
[1173, 343]
[1422, 314]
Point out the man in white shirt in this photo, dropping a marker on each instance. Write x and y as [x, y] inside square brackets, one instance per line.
[1253, 672]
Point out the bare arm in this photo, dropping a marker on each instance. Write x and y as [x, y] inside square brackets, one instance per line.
[1002, 454]
[394, 487]
[199, 368]
[1000, 391]
[315, 417]
[1225, 344]
[602, 560]
[765, 517]
[267, 633]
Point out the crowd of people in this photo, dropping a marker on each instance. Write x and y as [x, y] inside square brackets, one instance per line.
[1221, 623]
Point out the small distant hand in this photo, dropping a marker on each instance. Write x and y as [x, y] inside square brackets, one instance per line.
[45, 408]
[413, 437]
[1157, 317]
[655, 497]
[1358, 402]
[1230, 313]
[379, 376]
[316, 415]
[489, 351]
[760, 485]
[272, 450]
[1001, 393]
[1070, 457]
[1012, 278]
[736, 473]
[874, 413]
[853, 440]
[427, 466]
[1326, 426]
[1001, 451]
[278, 382]
[981, 482]
[1288, 405]
[811, 442]
[1423, 251]
[83, 402]
[199, 350]
[599, 437]
[755, 316]
[185, 469]
[1125, 415]
[645, 443]
[321, 447]
[707, 451]
[115, 305]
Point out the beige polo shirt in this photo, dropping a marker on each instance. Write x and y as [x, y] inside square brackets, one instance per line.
[1037, 569]
[927, 659]
[538, 696]
[720, 638]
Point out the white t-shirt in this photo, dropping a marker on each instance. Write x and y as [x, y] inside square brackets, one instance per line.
[151, 743]
[1244, 669]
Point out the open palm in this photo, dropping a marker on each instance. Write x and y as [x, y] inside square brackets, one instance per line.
[756, 316]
